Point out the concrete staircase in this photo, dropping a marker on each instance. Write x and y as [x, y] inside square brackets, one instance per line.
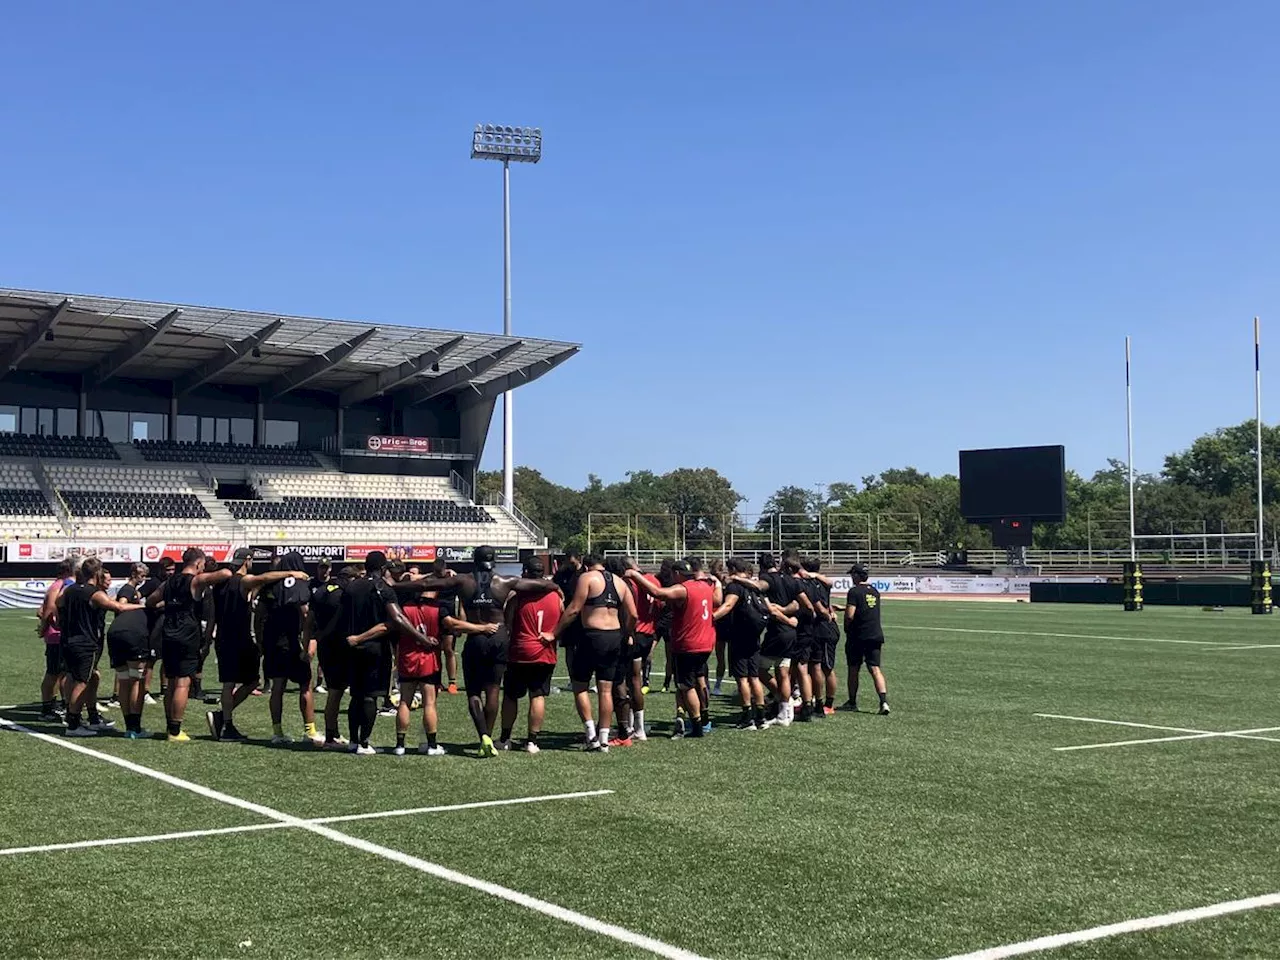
[221, 516]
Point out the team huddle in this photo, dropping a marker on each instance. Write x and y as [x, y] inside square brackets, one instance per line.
[383, 629]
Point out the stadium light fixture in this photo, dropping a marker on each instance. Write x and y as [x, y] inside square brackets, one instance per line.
[496, 141]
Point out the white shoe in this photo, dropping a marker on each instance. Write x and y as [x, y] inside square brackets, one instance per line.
[150, 700]
[317, 740]
[716, 689]
[780, 722]
[417, 702]
[398, 751]
[280, 740]
[102, 724]
[365, 751]
[795, 700]
[80, 732]
[531, 748]
[339, 744]
[436, 751]
[884, 709]
[321, 688]
[504, 745]
[639, 734]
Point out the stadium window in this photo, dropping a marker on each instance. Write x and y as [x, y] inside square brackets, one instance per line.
[147, 426]
[44, 421]
[188, 428]
[8, 419]
[206, 429]
[281, 433]
[28, 420]
[66, 422]
[242, 431]
[112, 424]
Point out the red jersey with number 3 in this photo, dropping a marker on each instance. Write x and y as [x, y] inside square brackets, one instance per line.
[692, 629]
[647, 608]
[412, 661]
[535, 615]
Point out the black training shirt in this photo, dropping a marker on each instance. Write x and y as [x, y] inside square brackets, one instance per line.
[865, 601]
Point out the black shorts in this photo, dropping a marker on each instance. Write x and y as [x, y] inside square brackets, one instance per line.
[53, 663]
[181, 655]
[532, 679]
[688, 668]
[430, 680]
[364, 667]
[808, 647]
[484, 661]
[335, 663]
[642, 648]
[79, 656]
[571, 635]
[830, 641]
[285, 661]
[866, 651]
[779, 642]
[597, 653]
[238, 660]
[124, 646]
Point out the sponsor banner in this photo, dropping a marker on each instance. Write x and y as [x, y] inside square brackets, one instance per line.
[463, 554]
[407, 553]
[383, 444]
[883, 584]
[22, 594]
[966, 585]
[311, 552]
[151, 552]
[54, 551]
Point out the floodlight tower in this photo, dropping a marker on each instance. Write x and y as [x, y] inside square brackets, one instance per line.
[492, 141]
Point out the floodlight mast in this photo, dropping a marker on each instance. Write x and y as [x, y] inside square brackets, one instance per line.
[492, 141]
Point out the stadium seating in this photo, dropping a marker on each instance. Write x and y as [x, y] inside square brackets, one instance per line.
[67, 448]
[107, 502]
[186, 451]
[24, 511]
[169, 506]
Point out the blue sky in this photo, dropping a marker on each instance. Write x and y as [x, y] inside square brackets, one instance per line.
[808, 241]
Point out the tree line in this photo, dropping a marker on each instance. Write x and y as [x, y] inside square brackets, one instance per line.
[1209, 486]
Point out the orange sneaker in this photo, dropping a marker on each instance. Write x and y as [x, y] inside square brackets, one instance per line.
[829, 711]
[453, 688]
[620, 742]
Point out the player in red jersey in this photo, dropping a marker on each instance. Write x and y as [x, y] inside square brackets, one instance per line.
[693, 634]
[418, 665]
[648, 610]
[531, 656]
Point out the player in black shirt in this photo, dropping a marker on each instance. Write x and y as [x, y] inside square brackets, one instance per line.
[332, 652]
[164, 570]
[181, 636]
[742, 633]
[238, 654]
[864, 637]
[81, 625]
[778, 647]
[129, 647]
[822, 663]
[285, 657]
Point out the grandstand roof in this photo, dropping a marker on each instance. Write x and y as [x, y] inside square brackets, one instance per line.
[104, 337]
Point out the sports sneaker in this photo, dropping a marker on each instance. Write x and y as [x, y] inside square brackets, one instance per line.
[504, 746]
[715, 690]
[640, 735]
[884, 709]
[531, 748]
[399, 750]
[645, 689]
[428, 751]
[849, 706]
[621, 742]
[281, 740]
[179, 737]
[257, 691]
[706, 727]
[49, 716]
[594, 746]
[102, 723]
[796, 699]
[744, 723]
[337, 743]
[829, 711]
[417, 702]
[321, 688]
[136, 735]
[365, 750]
[80, 732]
[149, 700]
[386, 710]
[487, 748]
[782, 721]
[112, 703]
[453, 687]
[818, 713]
[666, 689]
[214, 721]
[230, 734]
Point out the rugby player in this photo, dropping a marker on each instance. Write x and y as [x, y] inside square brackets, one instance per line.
[779, 643]
[81, 626]
[129, 648]
[238, 654]
[607, 612]
[643, 639]
[693, 636]
[47, 628]
[864, 637]
[718, 572]
[182, 599]
[826, 639]
[483, 595]
[531, 657]
[285, 655]
[332, 652]
[744, 615]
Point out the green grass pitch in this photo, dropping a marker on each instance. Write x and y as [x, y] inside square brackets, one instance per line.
[951, 826]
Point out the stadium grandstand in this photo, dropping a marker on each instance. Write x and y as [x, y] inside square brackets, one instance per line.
[130, 429]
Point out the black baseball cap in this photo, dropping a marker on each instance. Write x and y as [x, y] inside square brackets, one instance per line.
[241, 555]
[859, 571]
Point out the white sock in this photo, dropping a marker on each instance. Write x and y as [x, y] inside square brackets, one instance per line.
[637, 720]
[590, 727]
[604, 736]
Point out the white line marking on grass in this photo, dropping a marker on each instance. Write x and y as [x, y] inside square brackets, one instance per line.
[1126, 926]
[1191, 733]
[1255, 646]
[1072, 636]
[219, 831]
[552, 910]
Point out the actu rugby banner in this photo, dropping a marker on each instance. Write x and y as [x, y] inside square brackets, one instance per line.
[55, 551]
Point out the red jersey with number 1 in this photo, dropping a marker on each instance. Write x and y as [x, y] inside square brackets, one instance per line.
[647, 608]
[535, 615]
[692, 629]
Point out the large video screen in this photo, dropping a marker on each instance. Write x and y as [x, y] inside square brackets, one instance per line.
[1024, 482]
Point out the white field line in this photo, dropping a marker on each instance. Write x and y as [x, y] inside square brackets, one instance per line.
[1193, 734]
[1116, 929]
[186, 834]
[1077, 636]
[565, 915]
[1254, 646]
